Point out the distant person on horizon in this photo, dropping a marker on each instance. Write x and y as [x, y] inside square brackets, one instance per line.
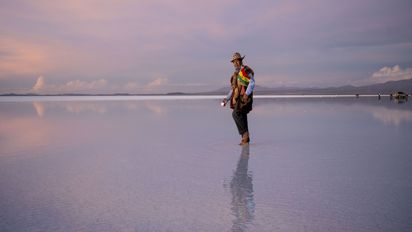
[240, 95]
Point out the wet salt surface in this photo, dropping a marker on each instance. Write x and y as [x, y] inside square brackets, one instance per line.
[341, 164]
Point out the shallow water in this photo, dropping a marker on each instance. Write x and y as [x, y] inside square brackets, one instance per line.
[132, 164]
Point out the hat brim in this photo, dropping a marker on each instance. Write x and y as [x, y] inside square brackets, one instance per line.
[241, 58]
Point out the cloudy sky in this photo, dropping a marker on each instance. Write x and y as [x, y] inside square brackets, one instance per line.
[151, 46]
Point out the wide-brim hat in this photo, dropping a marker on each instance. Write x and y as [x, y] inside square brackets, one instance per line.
[237, 56]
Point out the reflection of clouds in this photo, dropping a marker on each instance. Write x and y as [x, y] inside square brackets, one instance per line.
[23, 134]
[79, 107]
[72, 107]
[391, 116]
[131, 106]
[241, 188]
[28, 134]
[39, 107]
[155, 107]
[387, 113]
[282, 109]
[270, 110]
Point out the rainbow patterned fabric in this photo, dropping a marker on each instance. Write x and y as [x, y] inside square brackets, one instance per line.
[242, 77]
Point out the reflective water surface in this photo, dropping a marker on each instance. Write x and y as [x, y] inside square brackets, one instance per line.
[314, 164]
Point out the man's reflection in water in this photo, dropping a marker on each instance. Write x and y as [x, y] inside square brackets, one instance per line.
[241, 188]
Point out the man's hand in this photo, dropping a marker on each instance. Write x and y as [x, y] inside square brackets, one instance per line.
[224, 101]
[245, 98]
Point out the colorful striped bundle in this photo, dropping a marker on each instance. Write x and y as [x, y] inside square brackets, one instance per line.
[243, 77]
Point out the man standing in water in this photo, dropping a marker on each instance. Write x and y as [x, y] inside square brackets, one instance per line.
[241, 95]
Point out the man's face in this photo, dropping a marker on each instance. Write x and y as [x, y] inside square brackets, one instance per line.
[237, 63]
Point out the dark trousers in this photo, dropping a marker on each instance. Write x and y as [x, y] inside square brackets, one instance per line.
[240, 120]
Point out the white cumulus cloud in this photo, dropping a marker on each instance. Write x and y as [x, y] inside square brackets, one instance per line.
[39, 85]
[159, 82]
[76, 86]
[394, 73]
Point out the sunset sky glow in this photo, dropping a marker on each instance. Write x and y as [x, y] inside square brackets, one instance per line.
[142, 46]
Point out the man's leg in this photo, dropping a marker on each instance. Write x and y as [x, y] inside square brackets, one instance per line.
[244, 123]
[241, 121]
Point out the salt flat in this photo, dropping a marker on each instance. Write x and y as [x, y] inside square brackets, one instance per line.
[98, 164]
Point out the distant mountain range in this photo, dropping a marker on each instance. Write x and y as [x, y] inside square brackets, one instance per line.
[383, 88]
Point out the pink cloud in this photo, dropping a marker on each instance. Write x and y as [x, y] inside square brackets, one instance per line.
[22, 57]
[33, 56]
